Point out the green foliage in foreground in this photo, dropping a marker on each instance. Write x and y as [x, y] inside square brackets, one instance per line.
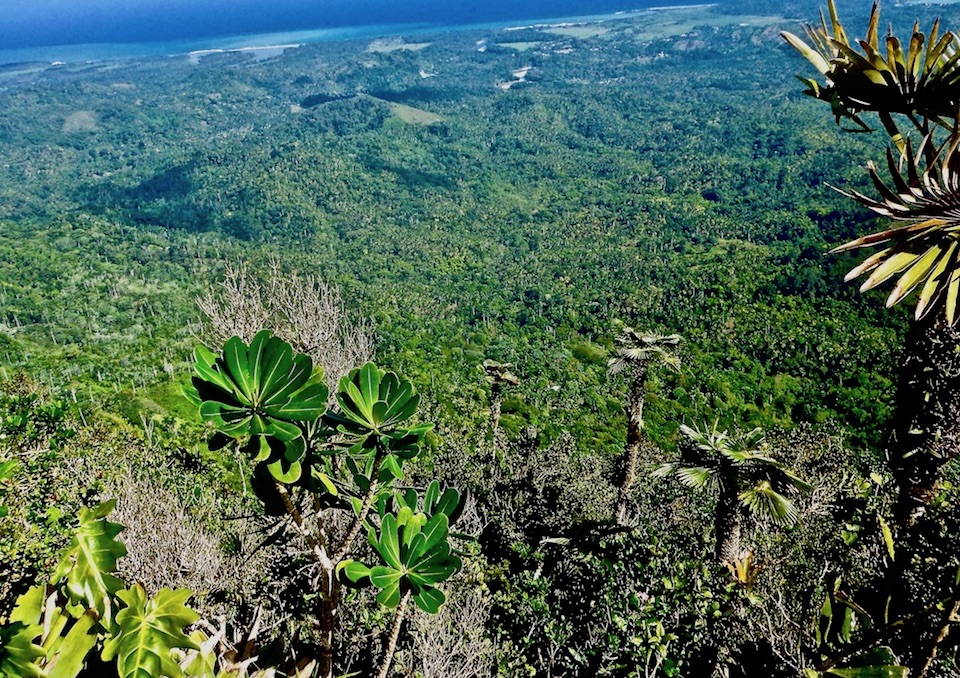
[266, 399]
[85, 610]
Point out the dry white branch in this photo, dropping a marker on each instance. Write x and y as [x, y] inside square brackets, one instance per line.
[301, 309]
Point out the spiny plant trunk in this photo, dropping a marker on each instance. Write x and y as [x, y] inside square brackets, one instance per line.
[329, 610]
[631, 450]
[391, 646]
[926, 431]
[728, 524]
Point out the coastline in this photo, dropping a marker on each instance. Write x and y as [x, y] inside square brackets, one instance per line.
[101, 52]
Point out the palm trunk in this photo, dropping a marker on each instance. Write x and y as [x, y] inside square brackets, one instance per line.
[728, 524]
[631, 450]
[496, 401]
[926, 432]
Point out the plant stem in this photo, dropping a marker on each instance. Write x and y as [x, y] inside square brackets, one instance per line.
[949, 616]
[344, 547]
[329, 589]
[391, 646]
[315, 542]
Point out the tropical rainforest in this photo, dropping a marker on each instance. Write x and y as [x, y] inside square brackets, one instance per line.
[495, 352]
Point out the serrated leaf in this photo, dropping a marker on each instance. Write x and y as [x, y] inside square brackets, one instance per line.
[149, 629]
[87, 567]
[20, 656]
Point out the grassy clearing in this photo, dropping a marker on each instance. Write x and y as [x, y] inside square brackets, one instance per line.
[580, 32]
[415, 116]
[665, 23]
[396, 44]
[519, 46]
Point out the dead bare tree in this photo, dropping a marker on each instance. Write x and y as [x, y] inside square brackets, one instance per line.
[301, 309]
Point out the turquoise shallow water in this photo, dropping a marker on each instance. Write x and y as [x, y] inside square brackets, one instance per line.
[80, 53]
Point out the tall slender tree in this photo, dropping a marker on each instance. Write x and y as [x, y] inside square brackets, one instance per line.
[743, 475]
[636, 353]
[498, 375]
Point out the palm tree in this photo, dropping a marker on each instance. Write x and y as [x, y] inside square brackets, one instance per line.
[739, 470]
[497, 375]
[636, 353]
[918, 89]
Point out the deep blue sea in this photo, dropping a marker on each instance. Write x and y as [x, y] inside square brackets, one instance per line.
[87, 30]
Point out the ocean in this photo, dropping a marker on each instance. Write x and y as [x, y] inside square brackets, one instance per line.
[56, 31]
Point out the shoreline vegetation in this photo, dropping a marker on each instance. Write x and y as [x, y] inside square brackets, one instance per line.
[60, 55]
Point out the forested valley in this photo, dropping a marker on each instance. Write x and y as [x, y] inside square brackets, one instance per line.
[493, 352]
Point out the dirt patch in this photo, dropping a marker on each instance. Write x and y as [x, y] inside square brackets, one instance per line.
[394, 44]
[80, 121]
[519, 46]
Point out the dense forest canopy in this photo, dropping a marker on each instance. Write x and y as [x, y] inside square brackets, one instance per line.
[684, 177]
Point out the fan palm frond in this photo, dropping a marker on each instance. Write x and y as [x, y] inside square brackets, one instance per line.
[699, 477]
[643, 347]
[707, 439]
[765, 502]
[497, 372]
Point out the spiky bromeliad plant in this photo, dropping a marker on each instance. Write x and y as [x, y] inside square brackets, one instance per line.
[913, 87]
[269, 403]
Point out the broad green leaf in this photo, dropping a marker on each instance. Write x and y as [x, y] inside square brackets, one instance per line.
[429, 600]
[431, 496]
[389, 546]
[871, 672]
[436, 567]
[449, 505]
[382, 577]
[297, 378]
[307, 405]
[285, 472]
[90, 560]
[235, 358]
[254, 364]
[887, 537]
[275, 370]
[368, 381]
[354, 571]
[149, 629]
[20, 656]
[72, 652]
[389, 596]
[434, 532]
[29, 607]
